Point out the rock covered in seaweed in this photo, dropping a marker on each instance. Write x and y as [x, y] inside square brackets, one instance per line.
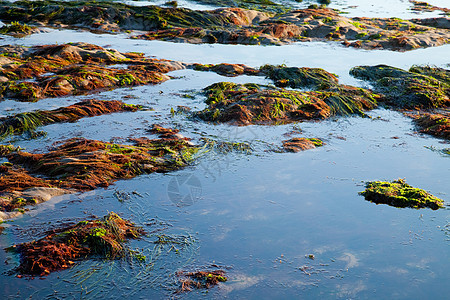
[400, 194]
[61, 248]
[230, 70]
[255, 104]
[295, 77]
[420, 87]
[437, 124]
[80, 164]
[24, 122]
[17, 29]
[232, 25]
[59, 70]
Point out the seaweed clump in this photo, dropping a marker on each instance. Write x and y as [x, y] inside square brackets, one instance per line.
[299, 77]
[420, 87]
[62, 247]
[17, 29]
[28, 74]
[300, 144]
[229, 70]
[400, 194]
[255, 104]
[201, 279]
[29, 121]
[276, 24]
[437, 125]
[80, 165]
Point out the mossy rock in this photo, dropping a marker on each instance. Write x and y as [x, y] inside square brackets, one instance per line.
[295, 77]
[420, 87]
[251, 103]
[400, 194]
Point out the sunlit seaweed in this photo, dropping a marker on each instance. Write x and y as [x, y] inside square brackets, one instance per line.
[16, 29]
[252, 103]
[400, 194]
[270, 23]
[301, 144]
[61, 248]
[60, 70]
[437, 125]
[80, 164]
[420, 87]
[300, 77]
[200, 279]
[29, 121]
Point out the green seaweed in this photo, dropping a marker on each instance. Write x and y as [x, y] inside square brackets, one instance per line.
[422, 87]
[252, 103]
[16, 28]
[28, 121]
[299, 77]
[400, 194]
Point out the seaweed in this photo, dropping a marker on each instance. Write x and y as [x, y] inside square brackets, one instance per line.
[420, 87]
[26, 122]
[78, 68]
[61, 248]
[17, 29]
[400, 194]
[299, 77]
[230, 70]
[437, 125]
[300, 144]
[200, 279]
[80, 165]
[255, 104]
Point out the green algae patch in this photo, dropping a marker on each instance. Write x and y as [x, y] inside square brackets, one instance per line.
[245, 104]
[295, 77]
[104, 237]
[420, 87]
[25, 122]
[300, 144]
[80, 164]
[17, 29]
[29, 74]
[400, 194]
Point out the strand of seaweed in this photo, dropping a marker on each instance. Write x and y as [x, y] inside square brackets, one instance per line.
[29, 121]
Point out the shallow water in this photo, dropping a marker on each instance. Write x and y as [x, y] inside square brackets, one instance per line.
[256, 215]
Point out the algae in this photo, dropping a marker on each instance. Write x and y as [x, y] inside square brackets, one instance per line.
[300, 144]
[26, 122]
[420, 87]
[400, 194]
[271, 23]
[200, 279]
[61, 248]
[79, 164]
[299, 77]
[255, 104]
[437, 124]
[17, 29]
[77, 68]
